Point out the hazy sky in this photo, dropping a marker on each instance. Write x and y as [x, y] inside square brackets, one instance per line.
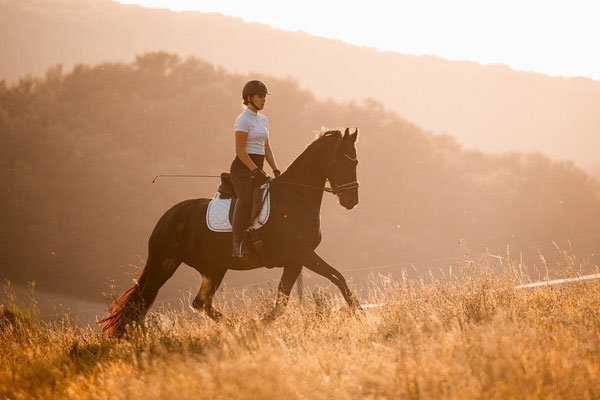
[553, 37]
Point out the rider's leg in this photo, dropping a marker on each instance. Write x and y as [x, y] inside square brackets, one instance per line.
[242, 183]
[238, 225]
[241, 177]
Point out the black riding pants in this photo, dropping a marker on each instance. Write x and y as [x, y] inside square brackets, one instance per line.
[241, 177]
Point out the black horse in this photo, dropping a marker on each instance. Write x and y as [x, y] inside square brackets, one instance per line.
[290, 235]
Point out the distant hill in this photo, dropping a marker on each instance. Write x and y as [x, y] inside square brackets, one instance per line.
[79, 151]
[594, 171]
[492, 108]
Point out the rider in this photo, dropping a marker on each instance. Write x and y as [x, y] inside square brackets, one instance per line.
[251, 148]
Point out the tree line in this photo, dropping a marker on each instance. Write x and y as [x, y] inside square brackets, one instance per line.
[80, 148]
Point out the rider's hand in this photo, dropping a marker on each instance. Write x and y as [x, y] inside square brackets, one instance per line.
[260, 176]
[276, 172]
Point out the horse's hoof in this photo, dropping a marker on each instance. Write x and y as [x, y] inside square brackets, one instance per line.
[220, 318]
[269, 318]
[227, 323]
[357, 310]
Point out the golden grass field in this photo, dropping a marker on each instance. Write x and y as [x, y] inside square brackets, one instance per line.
[471, 336]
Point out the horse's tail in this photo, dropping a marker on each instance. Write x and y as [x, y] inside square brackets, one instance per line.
[127, 308]
[164, 256]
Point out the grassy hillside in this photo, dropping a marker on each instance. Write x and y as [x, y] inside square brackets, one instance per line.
[474, 336]
[491, 108]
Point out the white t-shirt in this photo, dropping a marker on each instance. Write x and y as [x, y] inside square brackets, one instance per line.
[257, 127]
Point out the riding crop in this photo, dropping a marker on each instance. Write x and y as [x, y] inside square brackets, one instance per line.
[185, 176]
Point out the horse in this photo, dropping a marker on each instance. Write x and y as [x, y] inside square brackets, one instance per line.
[290, 236]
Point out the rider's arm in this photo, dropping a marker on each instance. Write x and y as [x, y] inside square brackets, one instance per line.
[269, 155]
[240, 149]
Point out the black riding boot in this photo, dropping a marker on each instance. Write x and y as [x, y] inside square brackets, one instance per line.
[238, 225]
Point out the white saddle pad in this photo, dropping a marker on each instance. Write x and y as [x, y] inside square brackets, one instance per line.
[217, 215]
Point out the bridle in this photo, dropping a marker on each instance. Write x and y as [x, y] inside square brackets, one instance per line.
[335, 188]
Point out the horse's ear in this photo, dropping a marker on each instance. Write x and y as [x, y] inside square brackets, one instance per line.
[346, 133]
[354, 136]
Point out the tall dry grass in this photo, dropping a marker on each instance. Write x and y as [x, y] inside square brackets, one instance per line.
[472, 335]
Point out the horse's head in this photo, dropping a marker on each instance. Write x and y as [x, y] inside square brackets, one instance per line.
[342, 174]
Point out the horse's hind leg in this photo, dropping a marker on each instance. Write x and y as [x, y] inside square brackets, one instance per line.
[210, 283]
[158, 273]
[133, 304]
[290, 274]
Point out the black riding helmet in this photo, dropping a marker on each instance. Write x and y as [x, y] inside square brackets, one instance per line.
[251, 88]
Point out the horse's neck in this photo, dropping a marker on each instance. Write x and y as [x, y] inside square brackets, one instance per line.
[307, 170]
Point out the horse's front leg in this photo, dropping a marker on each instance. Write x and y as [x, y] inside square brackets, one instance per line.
[290, 274]
[315, 263]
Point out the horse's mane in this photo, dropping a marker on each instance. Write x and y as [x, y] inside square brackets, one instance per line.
[320, 137]
[328, 133]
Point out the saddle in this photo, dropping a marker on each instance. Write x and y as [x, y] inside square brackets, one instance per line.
[220, 209]
[225, 188]
[226, 191]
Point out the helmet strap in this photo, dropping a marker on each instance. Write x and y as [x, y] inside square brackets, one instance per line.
[251, 102]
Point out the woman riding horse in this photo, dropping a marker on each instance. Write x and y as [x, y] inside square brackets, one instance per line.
[290, 235]
[251, 148]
